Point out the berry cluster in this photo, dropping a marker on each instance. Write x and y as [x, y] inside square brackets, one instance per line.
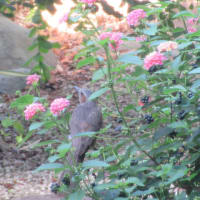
[155, 68]
[190, 95]
[179, 100]
[145, 99]
[182, 114]
[54, 187]
[194, 66]
[148, 118]
[66, 180]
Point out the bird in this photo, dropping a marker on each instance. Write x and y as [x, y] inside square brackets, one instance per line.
[86, 117]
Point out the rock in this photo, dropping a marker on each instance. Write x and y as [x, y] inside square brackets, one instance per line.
[14, 42]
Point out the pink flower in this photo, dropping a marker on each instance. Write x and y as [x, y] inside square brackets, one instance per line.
[34, 78]
[191, 29]
[59, 105]
[134, 17]
[105, 35]
[64, 18]
[154, 58]
[192, 21]
[141, 38]
[32, 109]
[167, 46]
[90, 2]
[115, 39]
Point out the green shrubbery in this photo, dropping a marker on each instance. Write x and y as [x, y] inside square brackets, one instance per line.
[156, 154]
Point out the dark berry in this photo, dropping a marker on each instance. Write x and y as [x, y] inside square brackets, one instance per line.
[119, 120]
[190, 95]
[181, 115]
[174, 81]
[173, 134]
[122, 194]
[66, 180]
[148, 119]
[145, 99]
[93, 185]
[155, 68]
[194, 66]
[121, 176]
[179, 100]
[133, 162]
[54, 187]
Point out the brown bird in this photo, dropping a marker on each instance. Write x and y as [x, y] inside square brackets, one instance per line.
[86, 117]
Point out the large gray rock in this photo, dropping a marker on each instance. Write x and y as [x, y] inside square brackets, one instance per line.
[14, 42]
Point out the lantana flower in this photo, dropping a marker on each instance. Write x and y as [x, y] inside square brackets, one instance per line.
[64, 18]
[191, 24]
[153, 59]
[114, 37]
[141, 38]
[167, 46]
[32, 109]
[58, 105]
[31, 79]
[134, 17]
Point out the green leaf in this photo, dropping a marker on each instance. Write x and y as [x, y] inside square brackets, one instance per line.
[46, 143]
[35, 125]
[183, 13]
[144, 192]
[173, 89]
[152, 30]
[86, 61]
[176, 64]
[176, 174]
[7, 122]
[179, 124]
[95, 163]
[195, 71]
[22, 102]
[184, 45]
[134, 180]
[64, 148]
[130, 59]
[53, 158]
[32, 32]
[49, 166]
[99, 74]
[98, 93]
[78, 195]
[161, 132]
[89, 134]
[19, 127]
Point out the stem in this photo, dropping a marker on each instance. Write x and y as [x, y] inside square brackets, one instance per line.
[109, 65]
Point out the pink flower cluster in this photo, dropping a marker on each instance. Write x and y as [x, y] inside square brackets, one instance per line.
[59, 105]
[32, 109]
[114, 37]
[134, 17]
[89, 2]
[191, 25]
[154, 58]
[31, 79]
[141, 38]
[64, 18]
[167, 46]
